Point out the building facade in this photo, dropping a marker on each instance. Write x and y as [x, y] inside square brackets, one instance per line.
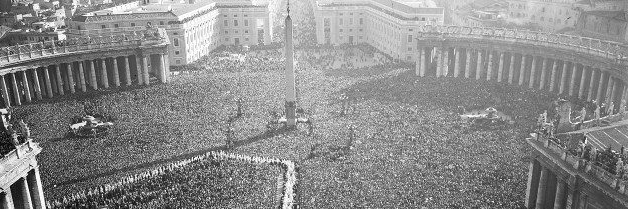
[194, 27]
[550, 15]
[602, 24]
[385, 24]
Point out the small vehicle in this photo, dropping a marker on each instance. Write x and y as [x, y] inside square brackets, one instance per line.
[89, 126]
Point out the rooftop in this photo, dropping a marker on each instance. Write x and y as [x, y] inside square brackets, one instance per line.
[614, 135]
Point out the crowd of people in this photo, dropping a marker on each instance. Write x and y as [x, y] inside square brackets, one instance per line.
[227, 180]
[409, 148]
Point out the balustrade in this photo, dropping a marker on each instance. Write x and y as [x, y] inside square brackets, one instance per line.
[601, 48]
[47, 48]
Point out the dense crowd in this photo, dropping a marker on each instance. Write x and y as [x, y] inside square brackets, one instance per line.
[199, 184]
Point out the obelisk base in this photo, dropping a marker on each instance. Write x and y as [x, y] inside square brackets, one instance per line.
[291, 115]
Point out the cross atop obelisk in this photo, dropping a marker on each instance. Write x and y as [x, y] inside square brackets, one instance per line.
[291, 106]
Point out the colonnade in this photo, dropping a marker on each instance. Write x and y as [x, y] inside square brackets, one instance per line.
[546, 189]
[558, 76]
[27, 192]
[81, 76]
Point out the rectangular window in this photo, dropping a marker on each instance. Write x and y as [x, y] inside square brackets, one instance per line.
[360, 29]
[409, 49]
[340, 23]
[409, 38]
[175, 41]
[226, 39]
[236, 31]
[350, 21]
[246, 22]
[161, 22]
[246, 31]
[226, 22]
[226, 32]
[361, 21]
[132, 24]
[116, 25]
[178, 62]
[235, 23]
[103, 26]
[177, 52]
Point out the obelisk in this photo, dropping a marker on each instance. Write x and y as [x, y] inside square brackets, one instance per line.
[291, 100]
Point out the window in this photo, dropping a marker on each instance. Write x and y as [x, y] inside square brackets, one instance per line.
[350, 21]
[409, 49]
[341, 30]
[177, 52]
[350, 30]
[340, 14]
[236, 31]
[246, 15]
[133, 25]
[149, 23]
[246, 31]
[235, 15]
[340, 23]
[423, 19]
[235, 23]
[175, 33]
[351, 13]
[226, 39]
[360, 29]
[161, 22]
[224, 15]
[178, 62]
[226, 32]
[175, 41]
[103, 26]
[116, 25]
[246, 22]
[246, 39]
[409, 38]
[361, 21]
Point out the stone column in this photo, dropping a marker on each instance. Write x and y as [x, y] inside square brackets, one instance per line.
[82, 76]
[92, 75]
[423, 63]
[439, 61]
[445, 69]
[532, 73]
[609, 90]
[7, 199]
[553, 76]
[145, 70]
[534, 171]
[36, 188]
[543, 73]
[540, 194]
[467, 67]
[511, 69]
[59, 80]
[5, 91]
[500, 71]
[594, 74]
[489, 68]
[563, 79]
[48, 82]
[559, 200]
[116, 75]
[478, 67]
[127, 71]
[26, 195]
[71, 78]
[522, 70]
[615, 92]
[36, 84]
[600, 87]
[16, 91]
[25, 85]
[139, 66]
[164, 68]
[457, 62]
[104, 76]
[583, 79]
[572, 84]
[417, 66]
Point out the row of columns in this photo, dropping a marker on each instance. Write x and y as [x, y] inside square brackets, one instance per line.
[27, 192]
[547, 190]
[562, 77]
[26, 85]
